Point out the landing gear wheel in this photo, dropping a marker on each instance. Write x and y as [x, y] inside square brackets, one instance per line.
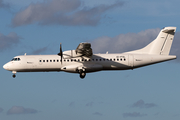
[82, 75]
[14, 76]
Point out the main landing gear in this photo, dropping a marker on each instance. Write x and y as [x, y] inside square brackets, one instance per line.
[82, 73]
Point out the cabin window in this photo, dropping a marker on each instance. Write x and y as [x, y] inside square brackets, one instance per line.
[107, 59]
[40, 60]
[104, 59]
[78, 60]
[114, 59]
[57, 60]
[99, 59]
[67, 60]
[50, 60]
[117, 59]
[85, 60]
[71, 60]
[43, 60]
[121, 59]
[96, 59]
[89, 60]
[46, 60]
[124, 59]
[54, 60]
[75, 60]
[64, 60]
[92, 59]
[110, 59]
[82, 59]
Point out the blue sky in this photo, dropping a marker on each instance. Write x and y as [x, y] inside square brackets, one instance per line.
[38, 26]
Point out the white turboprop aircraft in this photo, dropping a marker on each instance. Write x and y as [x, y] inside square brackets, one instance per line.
[82, 60]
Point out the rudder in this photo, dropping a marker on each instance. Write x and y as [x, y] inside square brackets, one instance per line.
[168, 41]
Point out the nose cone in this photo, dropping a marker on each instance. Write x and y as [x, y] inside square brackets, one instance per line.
[5, 67]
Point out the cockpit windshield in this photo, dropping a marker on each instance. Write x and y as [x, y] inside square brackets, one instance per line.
[16, 59]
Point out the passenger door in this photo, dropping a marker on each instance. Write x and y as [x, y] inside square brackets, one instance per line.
[131, 61]
[30, 62]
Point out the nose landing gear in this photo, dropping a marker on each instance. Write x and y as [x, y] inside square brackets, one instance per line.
[14, 74]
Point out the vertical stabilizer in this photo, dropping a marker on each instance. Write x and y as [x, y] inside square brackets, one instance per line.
[161, 45]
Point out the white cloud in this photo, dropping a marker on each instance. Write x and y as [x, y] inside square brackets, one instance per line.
[124, 42]
[21, 110]
[90, 104]
[61, 12]
[134, 114]
[9, 40]
[72, 104]
[1, 110]
[142, 104]
[98, 113]
[4, 5]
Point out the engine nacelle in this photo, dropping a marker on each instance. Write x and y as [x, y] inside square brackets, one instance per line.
[70, 68]
[86, 68]
[70, 54]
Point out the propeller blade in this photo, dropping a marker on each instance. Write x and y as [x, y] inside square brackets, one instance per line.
[60, 53]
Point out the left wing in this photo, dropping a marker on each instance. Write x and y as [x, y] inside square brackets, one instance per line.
[84, 49]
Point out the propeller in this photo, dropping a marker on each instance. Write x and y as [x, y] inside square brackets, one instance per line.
[60, 53]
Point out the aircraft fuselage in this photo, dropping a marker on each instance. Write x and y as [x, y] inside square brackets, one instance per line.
[97, 62]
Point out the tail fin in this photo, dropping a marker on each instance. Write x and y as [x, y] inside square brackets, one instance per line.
[161, 45]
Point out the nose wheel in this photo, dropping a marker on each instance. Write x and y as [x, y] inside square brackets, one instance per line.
[14, 76]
